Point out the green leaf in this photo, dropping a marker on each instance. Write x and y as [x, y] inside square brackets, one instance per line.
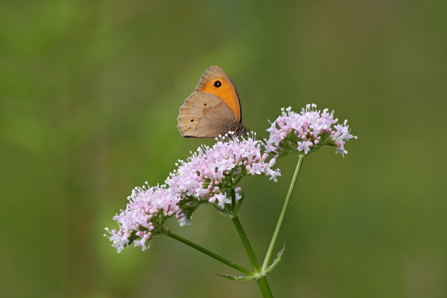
[236, 278]
[276, 261]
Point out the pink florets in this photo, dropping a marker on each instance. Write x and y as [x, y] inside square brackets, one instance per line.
[211, 167]
[208, 176]
[148, 207]
[306, 131]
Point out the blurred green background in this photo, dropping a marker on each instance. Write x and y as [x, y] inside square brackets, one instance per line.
[89, 96]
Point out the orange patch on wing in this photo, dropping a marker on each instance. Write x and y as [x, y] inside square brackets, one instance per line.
[226, 92]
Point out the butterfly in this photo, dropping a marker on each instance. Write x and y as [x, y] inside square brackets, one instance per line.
[213, 109]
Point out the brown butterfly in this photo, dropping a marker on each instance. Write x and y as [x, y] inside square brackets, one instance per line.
[213, 109]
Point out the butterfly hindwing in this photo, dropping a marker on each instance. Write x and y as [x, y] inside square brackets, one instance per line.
[204, 115]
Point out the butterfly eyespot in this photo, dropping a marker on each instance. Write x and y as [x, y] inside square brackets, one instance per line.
[205, 104]
[217, 84]
[192, 120]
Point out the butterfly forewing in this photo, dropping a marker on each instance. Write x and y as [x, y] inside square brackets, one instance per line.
[216, 81]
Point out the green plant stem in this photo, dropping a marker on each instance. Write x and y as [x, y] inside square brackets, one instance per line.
[211, 254]
[283, 213]
[261, 279]
[246, 243]
[264, 287]
[233, 198]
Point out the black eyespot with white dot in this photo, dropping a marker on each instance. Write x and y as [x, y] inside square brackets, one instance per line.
[217, 84]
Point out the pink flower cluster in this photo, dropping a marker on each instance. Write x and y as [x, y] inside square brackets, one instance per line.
[211, 172]
[209, 176]
[144, 216]
[306, 132]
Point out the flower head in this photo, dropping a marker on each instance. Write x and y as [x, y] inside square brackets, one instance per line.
[147, 210]
[306, 132]
[210, 175]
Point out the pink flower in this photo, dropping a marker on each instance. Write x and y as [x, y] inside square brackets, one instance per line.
[212, 171]
[208, 176]
[306, 132]
[144, 216]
